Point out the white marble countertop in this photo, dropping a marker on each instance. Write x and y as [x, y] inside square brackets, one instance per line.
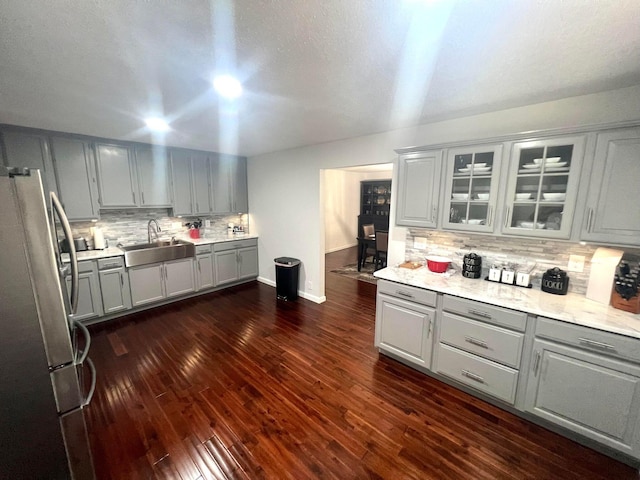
[572, 308]
[115, 251]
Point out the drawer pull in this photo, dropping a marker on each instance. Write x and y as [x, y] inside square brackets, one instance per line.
[475, 341]
[404, 294]
[594, 344]
[479, 313]
[536, 363]
[472, 376]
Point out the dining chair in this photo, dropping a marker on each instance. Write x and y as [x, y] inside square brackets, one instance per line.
[382, 245]
[368, 231]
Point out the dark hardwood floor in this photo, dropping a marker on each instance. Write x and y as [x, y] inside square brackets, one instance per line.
[238, 385]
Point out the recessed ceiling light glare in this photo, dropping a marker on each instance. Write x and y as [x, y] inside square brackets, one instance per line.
[157, 124]
[227, 86]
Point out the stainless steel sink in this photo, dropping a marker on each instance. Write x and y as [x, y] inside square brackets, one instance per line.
[160, 251]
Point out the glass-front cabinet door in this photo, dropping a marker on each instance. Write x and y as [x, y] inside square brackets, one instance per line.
[472, 187]
[542, 188]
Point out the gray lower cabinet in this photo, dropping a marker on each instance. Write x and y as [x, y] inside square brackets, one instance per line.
[480, 346]
[153, 283]
[114, 284]
[204, 267]
[76, 177]
[30, 150]
[405, 320]
[147, 284]
[419, 189]
[179, 277]
[615, 176]
[234, 261]
[588, 393]
[89, 298]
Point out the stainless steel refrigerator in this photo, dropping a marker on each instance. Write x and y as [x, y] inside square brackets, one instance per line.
[46, 378]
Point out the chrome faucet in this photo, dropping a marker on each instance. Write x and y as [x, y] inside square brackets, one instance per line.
[155, 231]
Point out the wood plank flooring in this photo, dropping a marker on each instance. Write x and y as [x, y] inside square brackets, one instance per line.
[237, 385]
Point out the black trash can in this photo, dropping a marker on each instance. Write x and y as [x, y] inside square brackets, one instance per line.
[287, 275]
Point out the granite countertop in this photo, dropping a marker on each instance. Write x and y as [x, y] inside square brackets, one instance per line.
[572, 308]
[116, 252]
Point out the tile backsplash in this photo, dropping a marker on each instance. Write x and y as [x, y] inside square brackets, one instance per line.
[520, 253]
[130, 226]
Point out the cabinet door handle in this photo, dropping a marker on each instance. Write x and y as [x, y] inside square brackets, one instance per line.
[404, 294]
[536, 363]
[594, 344]
[430, 327]
[199, 266]
[472, 376]
[506, 217]
[142, 198]
[164, 267]
[197, 207]
[475, 341]
[133, 195]
[434, 214]
[589, 218]
[490, 215]
[121, 279]
[479, 313]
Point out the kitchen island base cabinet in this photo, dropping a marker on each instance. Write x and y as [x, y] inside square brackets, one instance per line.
[595, 396]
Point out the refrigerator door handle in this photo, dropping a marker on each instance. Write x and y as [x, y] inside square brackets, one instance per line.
[66, 228]
[87, 336]
[92, 389]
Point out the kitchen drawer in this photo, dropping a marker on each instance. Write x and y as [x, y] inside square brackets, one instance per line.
[495, 343]
[483, 375]
[412, 294]
[222, 246]
[86, 266]
[589, 339]
[486, 313]
[111, 262]
[203, 249]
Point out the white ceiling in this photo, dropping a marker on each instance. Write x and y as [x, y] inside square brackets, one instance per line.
[313, 71]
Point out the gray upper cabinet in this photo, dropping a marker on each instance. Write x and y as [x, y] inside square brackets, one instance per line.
[471, 196]
[201, 185]
[612, 214]
[116, 176]
[76, 177]
[154, 176]
[418, 189]
[181, 174]
[229, 184]
[543, 187]
[30, 151]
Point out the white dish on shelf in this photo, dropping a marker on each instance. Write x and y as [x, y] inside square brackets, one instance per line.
[523, 196]
[473, 221]
[547, 160]
[460, 196]
[556, 197]
[483, 196]
[532, 166]
[524, 224]
[479, 165]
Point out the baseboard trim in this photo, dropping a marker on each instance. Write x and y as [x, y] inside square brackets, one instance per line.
[331, 250]
[305, 295]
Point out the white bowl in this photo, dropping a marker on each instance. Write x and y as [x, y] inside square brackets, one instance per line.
[558, 197]
[460, 196]
[483, 196]
[479, 165]
[523, 196]
[530, 225]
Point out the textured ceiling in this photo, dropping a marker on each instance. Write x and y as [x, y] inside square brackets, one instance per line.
[313, 71]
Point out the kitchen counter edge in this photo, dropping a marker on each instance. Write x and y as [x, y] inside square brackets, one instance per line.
[571, 308]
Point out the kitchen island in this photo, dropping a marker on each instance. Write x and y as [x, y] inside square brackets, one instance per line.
[565, 362]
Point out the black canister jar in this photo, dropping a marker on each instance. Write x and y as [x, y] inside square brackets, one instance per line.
[555, 281]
